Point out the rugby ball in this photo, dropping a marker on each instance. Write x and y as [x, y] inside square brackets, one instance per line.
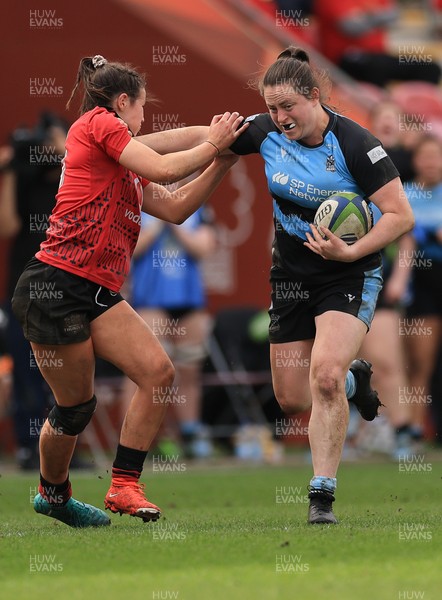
[346, 214]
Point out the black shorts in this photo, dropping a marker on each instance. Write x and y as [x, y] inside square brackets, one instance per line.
[296, 303]
[56, 307]
[426, 291]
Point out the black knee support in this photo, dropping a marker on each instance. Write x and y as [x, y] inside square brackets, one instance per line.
[72, 420]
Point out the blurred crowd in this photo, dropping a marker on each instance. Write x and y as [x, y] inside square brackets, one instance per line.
[167, 286]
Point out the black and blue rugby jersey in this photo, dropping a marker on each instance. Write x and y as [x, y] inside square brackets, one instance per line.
[300, 177]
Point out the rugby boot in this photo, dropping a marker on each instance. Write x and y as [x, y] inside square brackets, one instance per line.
[320, 510]
[365, 399]
[128, 498]
[73, 513]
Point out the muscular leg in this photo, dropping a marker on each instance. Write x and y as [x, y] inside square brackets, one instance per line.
[338, 339]
[290, 382]
[121, 337]
[69, 371]
[151, 316]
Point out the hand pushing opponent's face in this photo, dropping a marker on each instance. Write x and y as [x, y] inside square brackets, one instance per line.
[297, 116]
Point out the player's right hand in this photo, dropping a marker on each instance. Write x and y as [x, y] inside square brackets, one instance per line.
[223, 130]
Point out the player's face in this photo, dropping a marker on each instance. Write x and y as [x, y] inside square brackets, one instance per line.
[428, 162]
[132, 111]
[385, 125]
[293, 113]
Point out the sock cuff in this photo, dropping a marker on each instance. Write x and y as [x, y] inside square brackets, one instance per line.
[55, 493]
[327, 484]
[125, 473]
[129, 459]
[350, 385]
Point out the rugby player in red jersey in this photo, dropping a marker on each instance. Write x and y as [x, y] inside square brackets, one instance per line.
[68, 297]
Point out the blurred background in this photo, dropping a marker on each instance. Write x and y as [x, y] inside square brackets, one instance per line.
[200, 56]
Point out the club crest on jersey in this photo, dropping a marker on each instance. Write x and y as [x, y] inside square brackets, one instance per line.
[274, 323]
[330, 163]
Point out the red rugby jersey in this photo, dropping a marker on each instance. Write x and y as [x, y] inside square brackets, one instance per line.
[95, 223]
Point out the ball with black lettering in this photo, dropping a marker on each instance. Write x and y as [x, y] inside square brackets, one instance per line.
[346, 214]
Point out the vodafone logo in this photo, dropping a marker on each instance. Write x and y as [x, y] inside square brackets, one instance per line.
[280, 178]
[129, 214]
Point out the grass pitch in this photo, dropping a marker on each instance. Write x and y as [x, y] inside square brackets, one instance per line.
[233, 533]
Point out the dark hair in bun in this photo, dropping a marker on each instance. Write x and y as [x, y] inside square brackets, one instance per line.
[292, 67]
[297, 53]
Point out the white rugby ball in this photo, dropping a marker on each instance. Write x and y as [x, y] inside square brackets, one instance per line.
[346, 214]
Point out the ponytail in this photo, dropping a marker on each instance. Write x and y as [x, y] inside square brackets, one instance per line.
[102, 81]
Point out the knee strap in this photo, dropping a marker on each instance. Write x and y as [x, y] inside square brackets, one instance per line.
[72, 420]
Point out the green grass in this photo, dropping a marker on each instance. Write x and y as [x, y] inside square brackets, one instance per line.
[223, 533]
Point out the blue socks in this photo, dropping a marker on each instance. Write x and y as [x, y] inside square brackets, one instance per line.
[325, 484]
[350, 385]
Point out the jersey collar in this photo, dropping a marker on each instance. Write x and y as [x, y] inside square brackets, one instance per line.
[330, 125]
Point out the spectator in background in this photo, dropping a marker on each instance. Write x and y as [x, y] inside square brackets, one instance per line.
[296, 17]
[31, 172]
[423, 325]
[385, 123]
[383, 346]
[295, 8]
[353, 35]
[168, 293]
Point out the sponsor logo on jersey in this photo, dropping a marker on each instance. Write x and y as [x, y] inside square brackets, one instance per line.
[376, 154]
[129, 214]
[330, 163]
[252, 117]
[281, 178]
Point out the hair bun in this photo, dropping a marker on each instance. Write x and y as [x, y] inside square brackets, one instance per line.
[98, 61]
[296, 53]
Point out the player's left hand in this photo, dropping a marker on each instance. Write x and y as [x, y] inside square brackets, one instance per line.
[331, 247]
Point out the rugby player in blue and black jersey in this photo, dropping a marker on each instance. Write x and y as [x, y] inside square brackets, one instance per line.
[324, 291]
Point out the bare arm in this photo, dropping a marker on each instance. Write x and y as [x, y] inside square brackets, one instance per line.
[397, 218]
[175, 140]
[168, 168]
[10, 223]
[175, 166]
[396, 284]
[176, 207]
